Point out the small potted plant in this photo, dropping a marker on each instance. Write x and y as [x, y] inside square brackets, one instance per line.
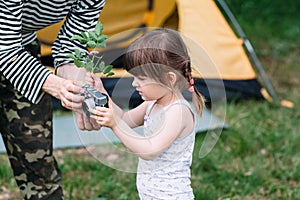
[91, 61]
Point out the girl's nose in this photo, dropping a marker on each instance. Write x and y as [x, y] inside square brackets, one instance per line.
[134, 83]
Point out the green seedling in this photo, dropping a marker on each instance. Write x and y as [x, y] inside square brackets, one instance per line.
[91, 61]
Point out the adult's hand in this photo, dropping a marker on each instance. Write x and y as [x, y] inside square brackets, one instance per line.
[86, 123]
[71, 72]
[80, 75]
[65, 90]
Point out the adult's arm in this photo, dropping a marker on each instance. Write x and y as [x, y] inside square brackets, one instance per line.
[24, 72]
[82, 17]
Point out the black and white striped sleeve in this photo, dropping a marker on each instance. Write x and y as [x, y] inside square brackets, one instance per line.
[24, 72]
[82, 17]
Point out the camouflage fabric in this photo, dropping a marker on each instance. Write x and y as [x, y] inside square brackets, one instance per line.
[26, 130]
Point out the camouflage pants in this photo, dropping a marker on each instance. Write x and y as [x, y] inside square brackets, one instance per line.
[26, 130]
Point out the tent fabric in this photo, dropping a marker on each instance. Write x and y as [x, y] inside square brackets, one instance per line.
[217, 54]
[119, 17]
[202, 22]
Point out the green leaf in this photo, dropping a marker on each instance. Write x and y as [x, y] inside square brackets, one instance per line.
[98, 28]
[78, 63]
[92, 35]
[96, 70]
[83, 41]
[110, 74]
[83, 34]
[77, 53]
[71, 56]
[102, 65]
[101, 38]
[91, 44]
[92, 39]
[107, 69]
[101, 45]
[89, 66]
[76, 37]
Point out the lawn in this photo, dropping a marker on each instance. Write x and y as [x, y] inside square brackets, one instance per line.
[258, 157]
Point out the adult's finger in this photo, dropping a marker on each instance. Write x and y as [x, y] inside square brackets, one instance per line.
[89, 79]
[86, 123]
[95, 125]
[79, 121]
[74, 86]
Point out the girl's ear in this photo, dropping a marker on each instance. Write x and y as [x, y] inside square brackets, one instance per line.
[172, 78]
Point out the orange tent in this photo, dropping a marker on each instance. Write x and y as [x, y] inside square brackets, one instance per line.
[218, 56]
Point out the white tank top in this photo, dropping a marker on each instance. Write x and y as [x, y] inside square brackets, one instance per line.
[168, 175]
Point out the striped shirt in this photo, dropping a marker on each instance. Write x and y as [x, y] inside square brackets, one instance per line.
[20, 19]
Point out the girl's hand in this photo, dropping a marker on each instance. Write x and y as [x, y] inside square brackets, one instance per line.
[104, 116]
[95, 81]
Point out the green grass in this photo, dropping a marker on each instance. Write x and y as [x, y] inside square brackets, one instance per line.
[256, 159]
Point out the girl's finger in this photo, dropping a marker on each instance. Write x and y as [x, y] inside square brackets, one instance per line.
[95, 112]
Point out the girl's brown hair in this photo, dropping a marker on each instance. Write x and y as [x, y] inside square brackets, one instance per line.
[158, 52]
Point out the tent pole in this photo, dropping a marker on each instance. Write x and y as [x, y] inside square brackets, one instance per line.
[250, 49]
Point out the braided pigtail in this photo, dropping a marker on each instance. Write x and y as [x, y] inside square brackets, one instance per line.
[197, 99]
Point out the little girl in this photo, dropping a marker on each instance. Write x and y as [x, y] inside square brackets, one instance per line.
[160, 65]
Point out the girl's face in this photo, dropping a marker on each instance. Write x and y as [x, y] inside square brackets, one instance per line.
[149, 89]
